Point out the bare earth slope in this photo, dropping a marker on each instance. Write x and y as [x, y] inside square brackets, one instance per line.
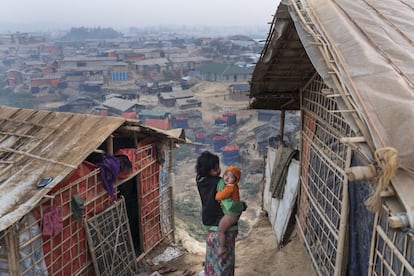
[257, 253]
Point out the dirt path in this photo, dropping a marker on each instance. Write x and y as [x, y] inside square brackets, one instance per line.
[257, 253]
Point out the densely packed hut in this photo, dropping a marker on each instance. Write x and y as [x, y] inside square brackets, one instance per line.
[347, 66]
[82, 194]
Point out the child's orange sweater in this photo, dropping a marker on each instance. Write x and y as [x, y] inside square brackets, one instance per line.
[229, 191]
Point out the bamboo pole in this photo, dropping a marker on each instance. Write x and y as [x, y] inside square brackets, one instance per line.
[336, 95]
[388, 192]
[39, 141]
[131, 128]
[263, 183]
[398, 221]
[38, 157]
[170, 187]
[90, 243]
[373, 245]
[341, 256]
[282, 124]
[327, 54]
[12, 250]
[409, 268]
[359, 173]
[320, 152]
[302, 233]
[327, 91]
[18, 135]
[312, 201]
[141, 225]
[110, 144]
[287, 103]
[359, 139]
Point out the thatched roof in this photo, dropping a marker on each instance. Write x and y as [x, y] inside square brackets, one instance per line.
[37, 144]
[363, 50]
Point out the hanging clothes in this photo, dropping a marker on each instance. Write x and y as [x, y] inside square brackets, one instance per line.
[78, 205]
[109, 167]
[52, 221]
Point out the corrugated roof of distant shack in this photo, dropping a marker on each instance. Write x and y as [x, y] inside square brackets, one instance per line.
[153, 114]
[224, 69]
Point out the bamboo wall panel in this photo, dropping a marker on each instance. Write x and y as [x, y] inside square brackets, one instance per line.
[393, 249]
[110, 241]
[322, 216]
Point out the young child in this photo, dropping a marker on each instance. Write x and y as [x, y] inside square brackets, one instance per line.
[231, 208]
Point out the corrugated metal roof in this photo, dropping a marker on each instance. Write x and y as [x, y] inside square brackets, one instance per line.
[153, 113]
[224, 69]
[153, 61]
[119, 104]
[36, 144]
[236, 70]
[213, 68]
[176, 95]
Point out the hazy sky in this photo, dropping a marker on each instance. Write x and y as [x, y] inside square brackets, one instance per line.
[127, 13]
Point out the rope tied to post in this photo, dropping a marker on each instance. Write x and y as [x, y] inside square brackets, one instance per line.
[387, 164]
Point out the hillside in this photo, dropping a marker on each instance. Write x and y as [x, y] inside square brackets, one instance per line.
[256, 248]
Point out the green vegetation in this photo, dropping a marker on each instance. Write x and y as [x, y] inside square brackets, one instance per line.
[190, 212]
[21, 100]
[91, 33]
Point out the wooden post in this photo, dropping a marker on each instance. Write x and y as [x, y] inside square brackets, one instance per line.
[341, 255]
[359, 139]
[141, 226]
[110, 144]
[373, 244]
[170, 186]
[282, 124]
[359, 173]
[12, 250]
[398, 221]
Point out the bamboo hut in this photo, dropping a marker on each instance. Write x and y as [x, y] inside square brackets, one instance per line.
[347, 66]
[82, 194]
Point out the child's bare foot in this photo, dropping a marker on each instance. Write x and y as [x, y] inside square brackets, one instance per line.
[221, 251]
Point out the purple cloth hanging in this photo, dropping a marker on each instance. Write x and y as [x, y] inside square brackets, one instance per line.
[109, 170]
[52, 221]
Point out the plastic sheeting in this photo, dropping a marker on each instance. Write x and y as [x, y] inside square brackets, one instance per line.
[280, 210]
[372, 47]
